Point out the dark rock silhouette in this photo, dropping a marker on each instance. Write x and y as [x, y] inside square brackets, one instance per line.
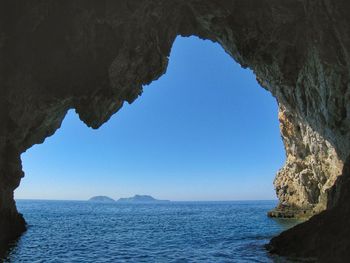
[95, 55]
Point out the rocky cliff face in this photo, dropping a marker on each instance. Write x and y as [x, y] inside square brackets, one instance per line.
[93, 55]
[311, 169]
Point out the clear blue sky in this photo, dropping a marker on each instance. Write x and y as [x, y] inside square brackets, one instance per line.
[203, 131]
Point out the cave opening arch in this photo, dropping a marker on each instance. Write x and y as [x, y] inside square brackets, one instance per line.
[231, 92]
[298, 50]
[172, 109]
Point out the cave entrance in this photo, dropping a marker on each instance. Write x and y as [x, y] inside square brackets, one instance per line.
[204, 131]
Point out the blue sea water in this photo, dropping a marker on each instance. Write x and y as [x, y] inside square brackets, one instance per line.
[77, 231]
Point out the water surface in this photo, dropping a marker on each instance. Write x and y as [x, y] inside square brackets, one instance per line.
[73, 231]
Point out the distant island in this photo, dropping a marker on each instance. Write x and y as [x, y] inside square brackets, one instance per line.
[141, 199]
[101, 199]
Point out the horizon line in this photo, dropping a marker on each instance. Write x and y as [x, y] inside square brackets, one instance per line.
[82, 200]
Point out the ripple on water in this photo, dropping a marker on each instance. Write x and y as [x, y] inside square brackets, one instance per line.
[62, 231]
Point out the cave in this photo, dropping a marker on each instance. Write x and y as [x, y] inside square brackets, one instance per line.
[168, 142]
[92, 56]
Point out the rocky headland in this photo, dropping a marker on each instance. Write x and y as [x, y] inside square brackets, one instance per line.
[141, 199]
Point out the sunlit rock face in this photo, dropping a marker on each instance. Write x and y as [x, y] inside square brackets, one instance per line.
[93, 55]
[310, 171]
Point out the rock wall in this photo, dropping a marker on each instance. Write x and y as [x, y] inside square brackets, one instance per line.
[93, 55]
[311, 169]
[325, 237]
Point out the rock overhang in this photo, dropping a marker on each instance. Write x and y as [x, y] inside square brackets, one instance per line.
[95, 55]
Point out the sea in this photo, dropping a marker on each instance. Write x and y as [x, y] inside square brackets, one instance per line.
[82, 231]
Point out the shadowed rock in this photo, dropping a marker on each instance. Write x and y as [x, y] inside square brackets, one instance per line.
[93, 55]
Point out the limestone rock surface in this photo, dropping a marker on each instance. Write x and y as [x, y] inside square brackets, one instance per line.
[310, 171]
[94, 55]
